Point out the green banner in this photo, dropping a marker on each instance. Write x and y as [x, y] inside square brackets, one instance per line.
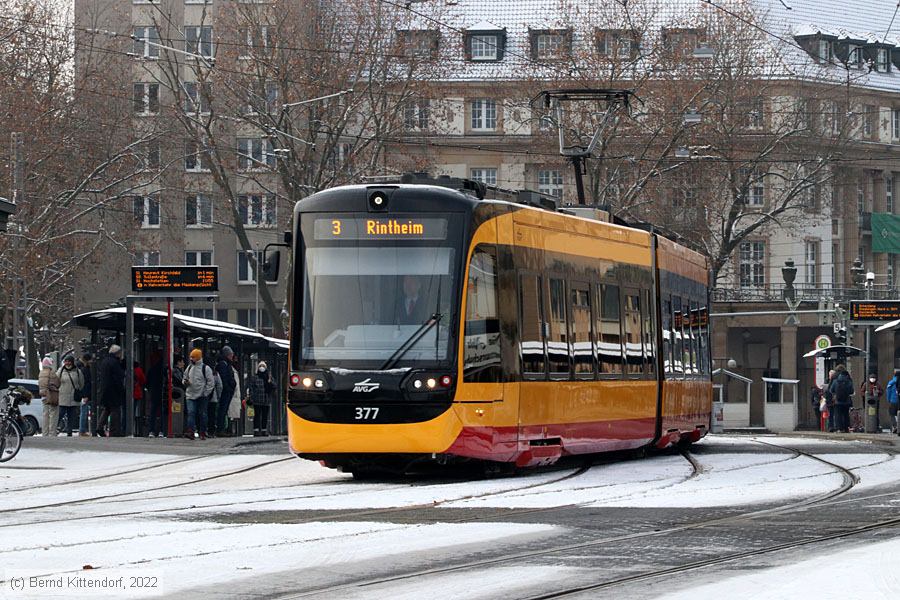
[886, 233]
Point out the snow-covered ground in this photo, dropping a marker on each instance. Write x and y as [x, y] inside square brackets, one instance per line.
[202, 521]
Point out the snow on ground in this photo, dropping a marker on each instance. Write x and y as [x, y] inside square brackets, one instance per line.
[865, 571]
[186, 554]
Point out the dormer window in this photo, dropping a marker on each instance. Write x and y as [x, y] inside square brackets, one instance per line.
[485, 42]
[825, 52]
[549, 43]
[681, 39]
[484, 47]
[882, 60]
[617, 43]
[419, 43]
[854, 56]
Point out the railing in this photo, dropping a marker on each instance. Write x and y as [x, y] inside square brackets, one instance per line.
[775, 293]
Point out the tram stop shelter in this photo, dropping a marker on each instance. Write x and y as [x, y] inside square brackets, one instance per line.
[192, 332]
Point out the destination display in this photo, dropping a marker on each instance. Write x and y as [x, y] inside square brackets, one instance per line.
[380, 228]
[199, 279]
[874, 310]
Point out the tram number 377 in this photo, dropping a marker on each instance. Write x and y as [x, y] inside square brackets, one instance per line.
[366, 413]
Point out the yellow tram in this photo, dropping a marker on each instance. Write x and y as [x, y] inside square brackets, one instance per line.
[430, 323]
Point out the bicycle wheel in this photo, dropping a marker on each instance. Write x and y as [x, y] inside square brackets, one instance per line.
[10, 441]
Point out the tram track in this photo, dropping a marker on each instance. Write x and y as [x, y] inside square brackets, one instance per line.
[849, 480]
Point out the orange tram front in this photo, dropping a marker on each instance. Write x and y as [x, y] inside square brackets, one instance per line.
[429, 324]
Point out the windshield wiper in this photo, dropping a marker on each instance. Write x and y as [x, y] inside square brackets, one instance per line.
[411, 341]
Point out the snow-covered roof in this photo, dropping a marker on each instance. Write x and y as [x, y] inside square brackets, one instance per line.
[869, 21]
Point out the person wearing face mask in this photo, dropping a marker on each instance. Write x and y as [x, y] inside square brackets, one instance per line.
[870, 386]
[260, 389]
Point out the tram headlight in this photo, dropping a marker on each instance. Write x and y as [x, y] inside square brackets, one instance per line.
[308, 381]
[431, 382]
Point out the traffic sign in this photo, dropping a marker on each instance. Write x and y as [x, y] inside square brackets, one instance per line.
[822, 342]
[198, 280]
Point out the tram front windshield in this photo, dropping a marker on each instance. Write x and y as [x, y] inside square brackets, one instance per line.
[386, 304]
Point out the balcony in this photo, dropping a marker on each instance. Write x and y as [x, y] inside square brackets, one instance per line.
[774, 293]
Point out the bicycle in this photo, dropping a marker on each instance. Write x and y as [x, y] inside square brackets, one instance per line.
[11, 433]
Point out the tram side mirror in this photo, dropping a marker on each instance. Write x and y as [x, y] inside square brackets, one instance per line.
[272, 265]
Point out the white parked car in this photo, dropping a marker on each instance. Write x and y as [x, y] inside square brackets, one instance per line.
[31, 413]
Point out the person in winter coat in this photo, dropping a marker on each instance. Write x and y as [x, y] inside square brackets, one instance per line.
[199, 385]
[260, 389]
[870, 386]
[85, 368]
[70, 383]
[224, 370]
[234, 407]
[112, 392]
[893, 400]
[829, 401]
[213, 405]
[48, 385]
[157, 418]
[842, 393]
[815, 398]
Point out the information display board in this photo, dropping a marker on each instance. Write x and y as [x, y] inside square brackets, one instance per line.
[874, 311]
[175, 279]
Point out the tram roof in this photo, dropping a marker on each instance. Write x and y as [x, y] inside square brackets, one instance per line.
[148, 320]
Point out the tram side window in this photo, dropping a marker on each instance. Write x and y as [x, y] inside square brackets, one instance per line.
[558, 335]
[695, 337]
[581, 331]
[678, 336]
[689, 355]
[704, 340]
[481, 357]
[649, 338]
[667, 335]
[609, 330]
[634, 356]
[531, 327]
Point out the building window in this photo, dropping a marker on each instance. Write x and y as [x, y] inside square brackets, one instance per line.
[146, 259]
[752, 266]
[484, 47]
[150, 155]
[895, 123]
[257, 41]
[263, 99]
[870, 120]
[199, 258]
[617, 43]
[889, 195]
[146, 211]
[196, 99]
[196, 157]
[415, 115]
[246, 317]
[812, 262]
[826, 51]
[860, 198]
[146, 99]
[550, 182]
[836, 118]
[802, 113]
[484, 115]
[420, 43]
[198, 211]
[682, 40]
[485, 176]
[882, 61]
[855, 56]
[146, 42]
[257, 210]
[197, 313]
[255, 153]
[755, 114]
[245, 272]
[198, 40]
[548, 44]
[756, 186]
